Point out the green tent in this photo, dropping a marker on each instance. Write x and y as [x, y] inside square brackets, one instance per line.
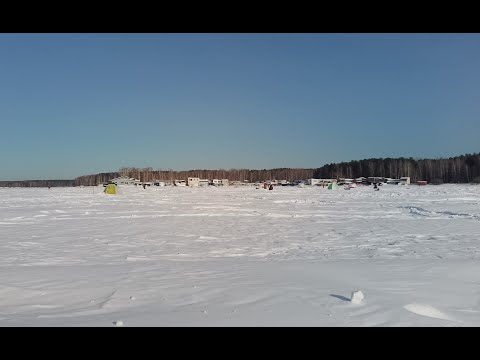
[332, 186]
[111, 189]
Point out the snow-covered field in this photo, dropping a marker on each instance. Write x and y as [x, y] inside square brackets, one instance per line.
[240, 256]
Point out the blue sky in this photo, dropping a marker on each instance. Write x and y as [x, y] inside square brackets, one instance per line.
[77, 104]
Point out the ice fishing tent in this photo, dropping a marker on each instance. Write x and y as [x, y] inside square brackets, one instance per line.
[111, 189]
[332, 186]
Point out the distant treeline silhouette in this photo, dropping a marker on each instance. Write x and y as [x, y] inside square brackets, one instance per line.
[459, 169]
[148, 174]
[37, 183]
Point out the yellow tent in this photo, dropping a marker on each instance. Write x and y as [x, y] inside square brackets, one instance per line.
[111, 189]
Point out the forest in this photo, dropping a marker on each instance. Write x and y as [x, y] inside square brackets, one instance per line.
[458, 169]
[37, 183]
[148, 174]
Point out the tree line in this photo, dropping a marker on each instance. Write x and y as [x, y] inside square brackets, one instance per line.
[37, 183]
[148, 174]
[459, 169]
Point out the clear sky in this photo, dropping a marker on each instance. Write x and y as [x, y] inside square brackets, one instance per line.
[78, 104]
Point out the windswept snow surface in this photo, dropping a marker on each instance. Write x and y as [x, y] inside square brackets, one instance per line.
[240, 256]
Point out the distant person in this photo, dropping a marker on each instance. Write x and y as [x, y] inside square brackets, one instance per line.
[271, 187]
[144, 186]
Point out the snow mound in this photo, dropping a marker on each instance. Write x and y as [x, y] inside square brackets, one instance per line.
[426, 310]
[357, 297]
